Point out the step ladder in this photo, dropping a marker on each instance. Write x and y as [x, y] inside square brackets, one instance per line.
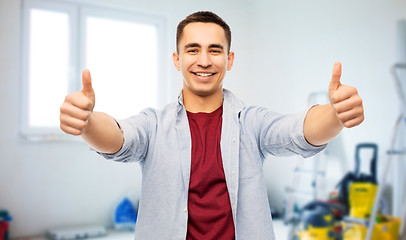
[397, 152]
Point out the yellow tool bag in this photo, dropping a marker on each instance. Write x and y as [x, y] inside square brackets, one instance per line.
[357, 190]
[363, 190]
[362, 197]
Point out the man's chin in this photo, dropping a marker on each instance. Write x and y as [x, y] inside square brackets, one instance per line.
[201, 92]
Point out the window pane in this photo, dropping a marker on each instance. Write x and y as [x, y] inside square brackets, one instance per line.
[122, 58]
[48, 66]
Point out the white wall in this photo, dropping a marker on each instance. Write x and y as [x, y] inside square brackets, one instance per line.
[284, 51]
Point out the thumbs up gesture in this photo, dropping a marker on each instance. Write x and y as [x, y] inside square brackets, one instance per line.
[78, 107]
[345, 100]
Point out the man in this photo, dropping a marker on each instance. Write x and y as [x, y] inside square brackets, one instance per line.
[202, 156]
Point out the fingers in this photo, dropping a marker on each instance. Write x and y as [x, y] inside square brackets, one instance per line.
[87, 83]
[345, 100]
[354, 122]
[72, 125]
[352, 117]
[335, 78]
[73, 119]
[77, 107]
[344, 92]
[348, 103]
[70, 130]
[79, 100]
[75, 111]
[348, 106]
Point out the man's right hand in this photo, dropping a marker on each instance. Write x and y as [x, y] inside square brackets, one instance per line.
[77, 107]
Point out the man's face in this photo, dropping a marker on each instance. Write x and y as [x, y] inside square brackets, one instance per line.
[203, 58]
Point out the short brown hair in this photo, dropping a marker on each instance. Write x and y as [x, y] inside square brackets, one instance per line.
[205, 17]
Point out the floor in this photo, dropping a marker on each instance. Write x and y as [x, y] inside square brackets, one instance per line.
[281, 230]
[281, 233]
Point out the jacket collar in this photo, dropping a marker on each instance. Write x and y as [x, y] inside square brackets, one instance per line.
[230, 100]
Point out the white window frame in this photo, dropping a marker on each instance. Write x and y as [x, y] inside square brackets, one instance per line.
[78, 13]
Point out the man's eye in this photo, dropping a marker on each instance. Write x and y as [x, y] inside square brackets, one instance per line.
[215, 51]
[191, 50]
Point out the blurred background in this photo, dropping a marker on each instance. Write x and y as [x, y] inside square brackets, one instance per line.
[284, 49]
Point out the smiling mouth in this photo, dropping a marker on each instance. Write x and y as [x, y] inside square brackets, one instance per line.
[203, 74]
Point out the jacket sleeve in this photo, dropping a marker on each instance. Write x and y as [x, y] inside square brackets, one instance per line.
[281, 134]
[137, 133]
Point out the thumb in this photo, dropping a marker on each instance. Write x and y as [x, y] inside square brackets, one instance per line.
[87, 84]
[335, 79]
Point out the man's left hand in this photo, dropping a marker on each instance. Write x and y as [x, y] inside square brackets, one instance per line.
[345, 100]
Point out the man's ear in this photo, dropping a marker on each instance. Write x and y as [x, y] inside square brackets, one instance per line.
[175, 57]
[230, 61]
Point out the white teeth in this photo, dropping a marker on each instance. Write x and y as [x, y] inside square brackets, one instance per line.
[204, 74]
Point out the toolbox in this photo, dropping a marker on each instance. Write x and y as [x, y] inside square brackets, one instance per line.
[386, 228]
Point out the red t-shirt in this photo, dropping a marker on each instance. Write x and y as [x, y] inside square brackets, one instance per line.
[209, 208]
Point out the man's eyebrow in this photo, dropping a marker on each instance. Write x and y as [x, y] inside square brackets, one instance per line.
[192, 45]
[216, 46]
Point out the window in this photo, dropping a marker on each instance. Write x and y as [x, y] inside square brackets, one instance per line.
[120, 48]
[130, 68]
[48, 58]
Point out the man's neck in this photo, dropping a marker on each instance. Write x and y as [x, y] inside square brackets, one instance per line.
[194, 103]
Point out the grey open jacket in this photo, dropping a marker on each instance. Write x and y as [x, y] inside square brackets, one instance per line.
[160, 141]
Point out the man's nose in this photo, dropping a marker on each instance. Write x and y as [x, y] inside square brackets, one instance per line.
[204, 60]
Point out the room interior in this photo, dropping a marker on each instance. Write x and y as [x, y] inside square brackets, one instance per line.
[285, 51]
